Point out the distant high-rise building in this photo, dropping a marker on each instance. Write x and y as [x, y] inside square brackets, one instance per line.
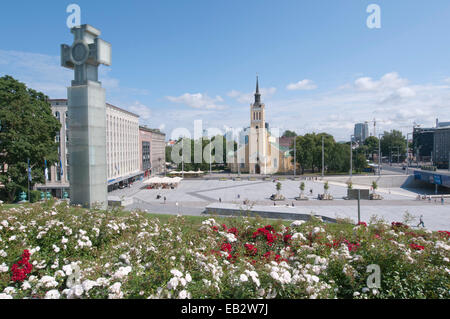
[361, 132]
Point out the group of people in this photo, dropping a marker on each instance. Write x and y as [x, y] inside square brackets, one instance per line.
[310, 178]
[425, 197]
[159, 197]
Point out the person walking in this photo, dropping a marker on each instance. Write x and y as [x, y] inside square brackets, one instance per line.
[421, 222]
[442, 199]
[220, 200]
[165, 199]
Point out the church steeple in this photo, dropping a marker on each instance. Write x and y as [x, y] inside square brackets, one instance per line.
[257, 94]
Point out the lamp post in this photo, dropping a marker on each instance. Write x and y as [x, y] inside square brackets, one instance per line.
[295, 155]
[238, 158]
[182, 157]
[379, 154]
[210, 162]
[417, 152]
[407, 152]
[351, 155]
[323, 157]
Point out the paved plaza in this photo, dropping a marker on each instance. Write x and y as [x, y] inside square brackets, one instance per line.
[192, 196]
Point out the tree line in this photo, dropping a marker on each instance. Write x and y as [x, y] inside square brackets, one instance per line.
[308, 151]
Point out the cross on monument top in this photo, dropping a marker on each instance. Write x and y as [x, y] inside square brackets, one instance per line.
[87, 52]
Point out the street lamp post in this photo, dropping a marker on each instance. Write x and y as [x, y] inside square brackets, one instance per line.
[295, 156]
[238, 161]
[182, 157]
[210, 161]
[390, 155]
[407, 152]
[379, 154]
[323, 157]
[351, 155]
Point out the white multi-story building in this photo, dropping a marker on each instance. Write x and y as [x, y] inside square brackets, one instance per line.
[122, 147]
[122, 144]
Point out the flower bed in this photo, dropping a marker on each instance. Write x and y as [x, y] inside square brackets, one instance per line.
[49, 251]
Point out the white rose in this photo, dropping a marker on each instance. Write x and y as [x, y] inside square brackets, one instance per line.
[52, 294]
[243, 278]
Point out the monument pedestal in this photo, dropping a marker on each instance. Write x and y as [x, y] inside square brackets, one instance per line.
[87, 145]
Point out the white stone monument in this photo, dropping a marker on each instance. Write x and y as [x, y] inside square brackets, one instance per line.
[87, 117]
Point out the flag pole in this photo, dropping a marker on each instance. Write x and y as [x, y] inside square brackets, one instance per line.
[28, 178]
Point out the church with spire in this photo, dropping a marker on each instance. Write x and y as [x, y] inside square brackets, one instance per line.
[259, 152]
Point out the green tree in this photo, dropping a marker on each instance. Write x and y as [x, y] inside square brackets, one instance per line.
[190, 165]
[28, 130]
[289, 134]
[169, 154]
[340, 158]
[328, 142]
[305, 151]
[374, 186]
[359, 162]
[393, 143]
[309, 153]
[278, 187]
[302, 186]
[372, 145]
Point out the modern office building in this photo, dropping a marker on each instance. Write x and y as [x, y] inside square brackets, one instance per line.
[152, 150]
[423, 143]
[433, 144]
[361, 132]
[441, 147]
[123, 154]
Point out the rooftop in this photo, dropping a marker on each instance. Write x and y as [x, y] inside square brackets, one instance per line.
[152, 130]
[108, 104]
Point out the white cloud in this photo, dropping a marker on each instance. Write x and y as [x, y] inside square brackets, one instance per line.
[44, 73]
[394, 102]
[388, 81]
[198, 101]
[248, 98]
[303, 85]
[39, 71]
[142, 110]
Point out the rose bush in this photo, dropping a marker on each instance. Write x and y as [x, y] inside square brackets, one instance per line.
[55, 251]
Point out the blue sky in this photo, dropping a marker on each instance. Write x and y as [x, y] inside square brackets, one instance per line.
[320, 67]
